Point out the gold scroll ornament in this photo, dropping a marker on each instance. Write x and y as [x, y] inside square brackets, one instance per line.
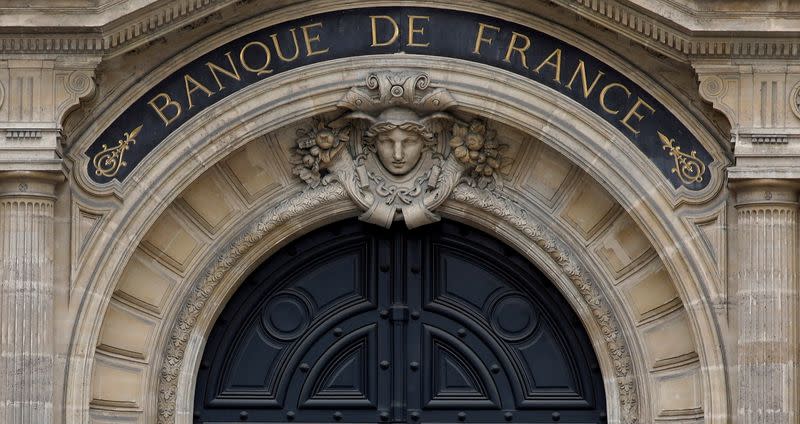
[107, 162]
[688, 166]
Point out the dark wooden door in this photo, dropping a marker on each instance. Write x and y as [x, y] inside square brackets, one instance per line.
[357, 324]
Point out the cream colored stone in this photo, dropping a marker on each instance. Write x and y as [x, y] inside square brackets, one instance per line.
[745, 354]
[125, 332]
[251, 170]
[767, 345]
[547, 173]
[623, 245]
[116, 385]
[669, 340]
[680, 396]
[209, 200]
[142, 285]
[589, 207]
[653, 293]
[27, 342]
[171, 241]
[538, 211]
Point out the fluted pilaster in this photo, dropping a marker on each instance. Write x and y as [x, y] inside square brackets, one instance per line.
[767, 219]
[26, 297]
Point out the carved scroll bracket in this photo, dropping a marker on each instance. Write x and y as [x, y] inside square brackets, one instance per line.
[30, 136]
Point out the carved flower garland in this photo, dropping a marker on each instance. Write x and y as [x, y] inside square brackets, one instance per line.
[476, 147]
[316, 148]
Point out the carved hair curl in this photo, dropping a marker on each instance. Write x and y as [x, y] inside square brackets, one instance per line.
[414, 127]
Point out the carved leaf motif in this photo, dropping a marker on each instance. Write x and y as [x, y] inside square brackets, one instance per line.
[317, 147]
[479, 150]
[508, 211]
[203, 287]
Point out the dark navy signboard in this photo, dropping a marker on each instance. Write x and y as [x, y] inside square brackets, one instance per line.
[422, 31]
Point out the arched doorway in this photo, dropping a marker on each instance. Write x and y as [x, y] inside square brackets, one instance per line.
[354, 323]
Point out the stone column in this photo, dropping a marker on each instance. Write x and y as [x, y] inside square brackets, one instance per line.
[26, 296]
[767, 215]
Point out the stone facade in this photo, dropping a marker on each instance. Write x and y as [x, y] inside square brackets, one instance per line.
[681, 261]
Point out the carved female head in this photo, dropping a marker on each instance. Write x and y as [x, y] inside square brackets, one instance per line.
[399, 137]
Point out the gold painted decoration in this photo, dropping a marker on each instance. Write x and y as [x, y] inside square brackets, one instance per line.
[108, 161]
[688, 167]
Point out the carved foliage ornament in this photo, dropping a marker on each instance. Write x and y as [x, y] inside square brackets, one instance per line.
[409, 158]
[404, 152]
[501, 208]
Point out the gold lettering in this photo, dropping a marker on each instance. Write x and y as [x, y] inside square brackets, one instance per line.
[391, 20]
[232, 74]
[633, 112]
[309, 39]
[167, 103]
[557, 65]
[187, 79]
[587, 89]
[278, 50]
[267, 58]
[414, 30]
[605, 91]
[512, 47]
[479, 38]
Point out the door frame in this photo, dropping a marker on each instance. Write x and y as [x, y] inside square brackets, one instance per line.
[412, 271]
[517, 227]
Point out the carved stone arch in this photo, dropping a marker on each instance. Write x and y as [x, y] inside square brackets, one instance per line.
[206, 297]
[568, 132]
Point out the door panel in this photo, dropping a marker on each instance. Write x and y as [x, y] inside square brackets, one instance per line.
[354, 323]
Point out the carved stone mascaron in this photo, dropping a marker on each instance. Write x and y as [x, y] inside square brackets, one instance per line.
[389, 150]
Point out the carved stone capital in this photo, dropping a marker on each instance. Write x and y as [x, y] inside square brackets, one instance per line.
[766, 192]
[35, 96]
[29, 184]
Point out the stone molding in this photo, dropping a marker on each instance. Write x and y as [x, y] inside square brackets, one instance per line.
[761, 103]
[44, 91]
[124, 33]
[767, 218]
[503, 209]
[27, 346]
[29, 184]
[203, 288]
[507, 211]
[442, 70]
[766, 192]
[174, 170]
[673, 40]
[666, 36]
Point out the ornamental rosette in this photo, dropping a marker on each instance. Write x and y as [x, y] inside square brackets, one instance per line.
[477, 148]
[316, 148]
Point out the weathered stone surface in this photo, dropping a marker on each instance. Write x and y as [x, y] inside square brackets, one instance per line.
[107, 292]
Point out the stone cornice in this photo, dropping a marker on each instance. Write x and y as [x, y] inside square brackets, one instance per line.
[674, 36]
[678, 42]
[125, 33]
[717, 16]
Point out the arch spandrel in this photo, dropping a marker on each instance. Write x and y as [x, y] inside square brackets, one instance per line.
[647, 288]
